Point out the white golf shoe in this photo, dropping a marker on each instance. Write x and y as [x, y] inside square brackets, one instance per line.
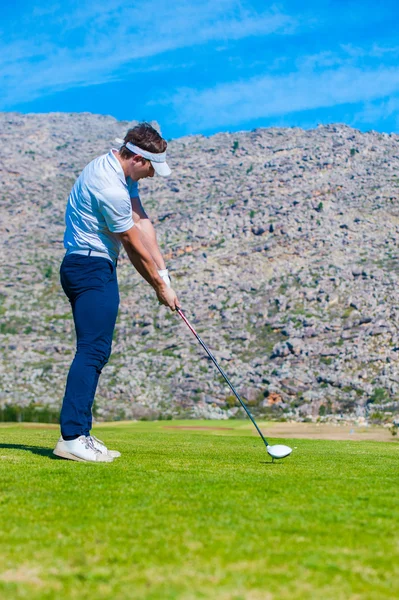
[81, 449]
[102, 447]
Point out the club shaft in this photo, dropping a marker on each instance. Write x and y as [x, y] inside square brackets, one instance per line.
[221, 371]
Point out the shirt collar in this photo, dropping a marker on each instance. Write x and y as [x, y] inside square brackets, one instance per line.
[116, 165]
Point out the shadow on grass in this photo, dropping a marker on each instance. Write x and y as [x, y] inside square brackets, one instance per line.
[34, 449]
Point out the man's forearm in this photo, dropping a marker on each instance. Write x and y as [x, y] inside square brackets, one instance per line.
[144, 264]
[140, 257]
[149, 239]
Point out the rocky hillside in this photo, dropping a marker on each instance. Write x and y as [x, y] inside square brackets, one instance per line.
[282, 245]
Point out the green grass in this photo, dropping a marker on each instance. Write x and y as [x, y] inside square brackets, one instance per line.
[193, 514]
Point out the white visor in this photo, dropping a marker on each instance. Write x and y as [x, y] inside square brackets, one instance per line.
[158, 160]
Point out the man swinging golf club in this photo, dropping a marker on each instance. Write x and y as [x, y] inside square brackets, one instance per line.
[104, 211]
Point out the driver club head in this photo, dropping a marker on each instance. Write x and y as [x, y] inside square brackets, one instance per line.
[279, 451]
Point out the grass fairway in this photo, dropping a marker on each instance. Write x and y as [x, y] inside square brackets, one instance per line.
[197, 513]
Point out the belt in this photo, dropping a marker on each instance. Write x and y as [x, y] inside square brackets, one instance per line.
[94, 253]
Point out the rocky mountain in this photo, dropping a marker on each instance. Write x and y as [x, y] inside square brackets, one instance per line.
[282, 245]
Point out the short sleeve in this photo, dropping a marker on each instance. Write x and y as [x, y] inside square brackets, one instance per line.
[133, 188]
[115, 206]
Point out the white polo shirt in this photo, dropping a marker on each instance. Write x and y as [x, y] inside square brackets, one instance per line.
[99, 206]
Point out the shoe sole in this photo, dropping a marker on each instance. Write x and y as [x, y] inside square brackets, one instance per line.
[70, 456]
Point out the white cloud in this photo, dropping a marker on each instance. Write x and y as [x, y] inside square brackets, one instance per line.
[381, 110]
[323, 59]
[376, 51]
[93, 42]
[349, 55]
[268, 96]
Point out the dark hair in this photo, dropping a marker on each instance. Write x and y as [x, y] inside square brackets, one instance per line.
[144, 136]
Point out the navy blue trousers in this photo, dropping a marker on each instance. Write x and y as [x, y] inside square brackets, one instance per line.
[91, 286]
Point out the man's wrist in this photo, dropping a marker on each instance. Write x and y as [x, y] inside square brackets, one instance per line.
[160, 289]
[164, 274]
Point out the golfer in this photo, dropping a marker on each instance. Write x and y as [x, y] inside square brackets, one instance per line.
[104, 211]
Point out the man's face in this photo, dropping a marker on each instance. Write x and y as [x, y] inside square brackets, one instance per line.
[140, 168]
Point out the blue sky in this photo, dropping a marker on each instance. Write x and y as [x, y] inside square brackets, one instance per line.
[205, 66]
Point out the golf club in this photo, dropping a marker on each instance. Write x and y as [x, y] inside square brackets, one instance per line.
[277, 451]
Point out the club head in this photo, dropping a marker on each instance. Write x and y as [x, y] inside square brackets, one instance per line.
[279, 451]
